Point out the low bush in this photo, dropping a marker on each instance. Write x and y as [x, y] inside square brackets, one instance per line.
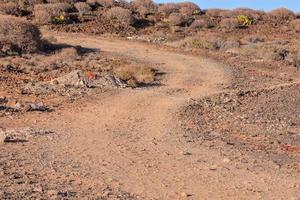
[18, 36]
[295, 25]
[135, 75]
[144, 7]
[281, 14]
[178, 19]
[214, 12]
[200, 43]
[279, 54]
[202, 23]
[247, 12]
[229, 23]
[50, 13]
[189, 8]
[245, 20]
[61, 1]
[168, 8]
[10, 8]
[106, 3]
[82, 7]
[121, 15]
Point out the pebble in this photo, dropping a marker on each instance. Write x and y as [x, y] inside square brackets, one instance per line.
[226, 160]
[213, 167]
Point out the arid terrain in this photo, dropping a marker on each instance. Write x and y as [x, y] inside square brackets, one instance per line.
[104, 99]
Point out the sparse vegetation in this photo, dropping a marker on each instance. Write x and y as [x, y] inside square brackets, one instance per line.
[281, 14]
[295, 25]
[121, 15]
[135, 75]
[18, 36]
[49, 13]
[245, 20]
[82, 7]
[9, 8]
[178, 19]
[229, 23]
[168, 8]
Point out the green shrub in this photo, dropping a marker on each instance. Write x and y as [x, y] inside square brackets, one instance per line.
[245, 20]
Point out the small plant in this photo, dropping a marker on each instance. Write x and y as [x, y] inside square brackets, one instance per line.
[196, 12]
[245, 20]
[59, 19]
[135, 75]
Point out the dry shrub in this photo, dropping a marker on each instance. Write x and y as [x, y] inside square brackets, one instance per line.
[135, 75]
[66, 54]
[92, 3]
[281, 14]
[120, 15]
[295, 25]
[189, 8]
[253, 39]
[82, 7]
[144, 7]
[294, 59]
[168, 8]
[106, 3]
[45, 13]
[61, 1]
[254, 14]
[214, 12]
[202, 43]
[229, 23]
[10, 8]
[18, 36]
[202, 23]
[178, 19]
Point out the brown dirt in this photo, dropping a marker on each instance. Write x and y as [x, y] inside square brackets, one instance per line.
[128, 144]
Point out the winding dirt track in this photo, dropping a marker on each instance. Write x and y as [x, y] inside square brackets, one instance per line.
[135, 131]
[131, 139]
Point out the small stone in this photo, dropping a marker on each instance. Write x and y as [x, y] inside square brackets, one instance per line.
[38, 189]
[52, 193]
[183, 194]
[226, 160]
[186, 153]
[213, 167]
[2, 136]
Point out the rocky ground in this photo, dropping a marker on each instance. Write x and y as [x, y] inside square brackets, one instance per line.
[153, 105]
[231, 140]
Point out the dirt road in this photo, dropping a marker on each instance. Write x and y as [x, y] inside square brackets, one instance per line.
[130, 140]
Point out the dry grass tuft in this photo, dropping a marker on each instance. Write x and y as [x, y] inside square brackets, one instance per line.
[135, 75]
